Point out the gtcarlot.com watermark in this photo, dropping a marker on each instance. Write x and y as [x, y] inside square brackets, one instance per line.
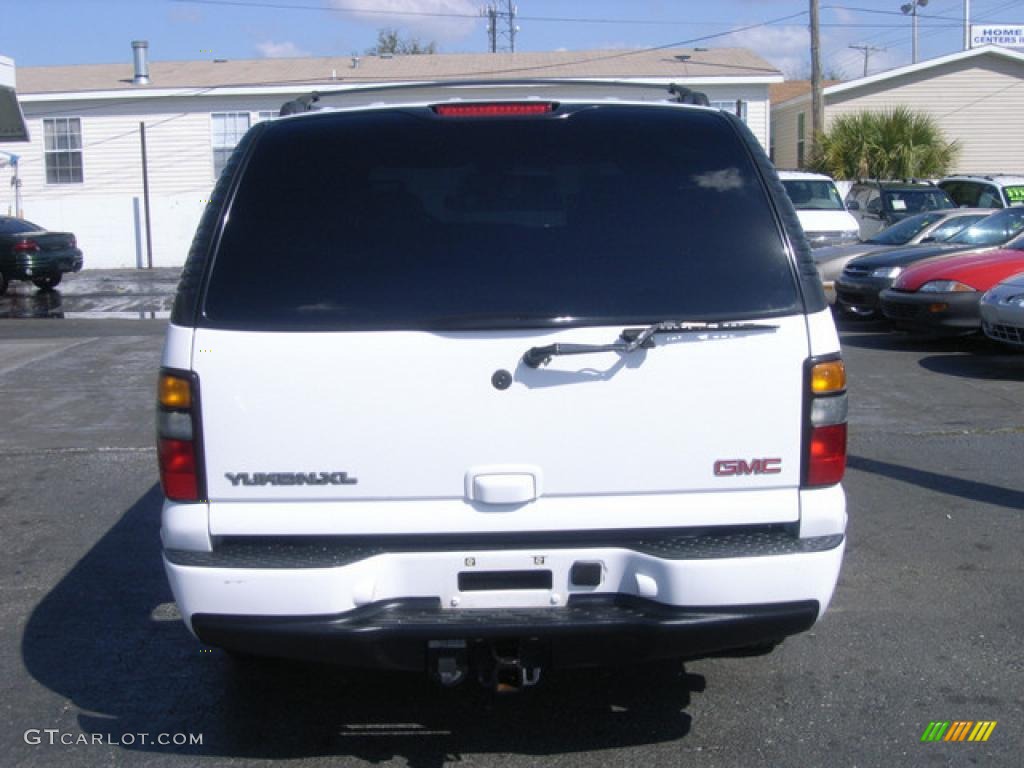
[55, 736]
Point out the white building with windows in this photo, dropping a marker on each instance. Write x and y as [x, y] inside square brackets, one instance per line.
[976, 97]
[82, 170]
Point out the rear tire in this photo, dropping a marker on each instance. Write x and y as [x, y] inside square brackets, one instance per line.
[3, 284]
[47, 283]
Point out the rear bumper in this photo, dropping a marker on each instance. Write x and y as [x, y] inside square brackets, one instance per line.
[591, 630]
[379, 606]
[28, 266]
[936, 313]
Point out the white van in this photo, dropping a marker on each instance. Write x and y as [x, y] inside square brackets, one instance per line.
[820, 208]
[475, 378]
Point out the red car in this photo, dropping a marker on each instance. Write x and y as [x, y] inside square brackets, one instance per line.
[941, 296]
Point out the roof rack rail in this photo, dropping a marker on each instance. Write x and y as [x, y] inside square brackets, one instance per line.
[361, 95]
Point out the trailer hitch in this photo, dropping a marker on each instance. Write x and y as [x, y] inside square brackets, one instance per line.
[510, 666]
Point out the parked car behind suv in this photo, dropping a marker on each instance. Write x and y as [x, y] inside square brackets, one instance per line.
[988, 191]
[930, 227]
[29, 252]
[1002, 311]
[577, 401]
[820, 208]
[865, 277]
[879, 204]
[942, 296]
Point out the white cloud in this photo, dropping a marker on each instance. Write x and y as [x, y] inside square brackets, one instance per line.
[438, 20]
[271, 50]
[844, 16]
[787, 48]
[883, 60]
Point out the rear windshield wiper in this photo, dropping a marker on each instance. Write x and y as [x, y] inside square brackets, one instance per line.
[632, 339]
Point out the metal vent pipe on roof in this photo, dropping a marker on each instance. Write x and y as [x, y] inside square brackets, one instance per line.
[140, 55]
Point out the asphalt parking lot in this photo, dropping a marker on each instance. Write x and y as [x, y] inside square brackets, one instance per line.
[926, 623]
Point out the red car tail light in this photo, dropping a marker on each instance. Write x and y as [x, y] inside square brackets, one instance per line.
[825, 428]
[177, 436]
[26, 246]
[826, 461]
[178, 469]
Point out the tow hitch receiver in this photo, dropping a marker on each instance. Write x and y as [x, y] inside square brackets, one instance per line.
[509, 666]
[505, 666]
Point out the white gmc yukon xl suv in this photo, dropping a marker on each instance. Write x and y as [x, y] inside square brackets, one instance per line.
[482, 379]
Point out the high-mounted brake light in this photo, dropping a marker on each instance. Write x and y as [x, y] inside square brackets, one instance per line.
[500, 109]
[825, 429]
[177, 443]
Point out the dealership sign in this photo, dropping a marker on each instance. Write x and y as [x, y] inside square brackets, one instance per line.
[1009, 35]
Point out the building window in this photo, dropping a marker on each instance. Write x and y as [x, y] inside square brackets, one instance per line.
[738, 108]
[63, 150]
[261, 116]
[801, 141]
[228, 129]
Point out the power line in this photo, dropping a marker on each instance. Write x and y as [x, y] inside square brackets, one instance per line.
[147, 98]
[542, 19]
[893, 38]
[445, 14]
[843, 58]
[884, 13]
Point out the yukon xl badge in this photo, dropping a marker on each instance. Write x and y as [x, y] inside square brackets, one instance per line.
[731, 467]
[290, 478]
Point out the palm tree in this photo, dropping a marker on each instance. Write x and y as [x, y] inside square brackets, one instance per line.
[894, 144]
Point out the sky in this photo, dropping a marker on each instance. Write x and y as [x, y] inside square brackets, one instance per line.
[60, 32]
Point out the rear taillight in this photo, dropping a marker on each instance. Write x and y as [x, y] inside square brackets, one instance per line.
[176, 434]
[825, 430]
[500, 109]
[26, 246]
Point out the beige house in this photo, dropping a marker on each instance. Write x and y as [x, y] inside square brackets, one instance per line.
[977, 97]
[82, 169]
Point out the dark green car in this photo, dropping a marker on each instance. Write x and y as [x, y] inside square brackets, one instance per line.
[29, 252]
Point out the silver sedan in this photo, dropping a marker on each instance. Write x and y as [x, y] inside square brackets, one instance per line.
[1002, 311]
[928, 227]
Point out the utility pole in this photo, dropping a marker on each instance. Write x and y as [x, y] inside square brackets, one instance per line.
[911, 9]
[817, 106]
[491, 13]
[868, 50]
[967, 24]
[145, 196]
[507, 15]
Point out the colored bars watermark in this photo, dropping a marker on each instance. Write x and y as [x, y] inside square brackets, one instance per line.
[958, 730]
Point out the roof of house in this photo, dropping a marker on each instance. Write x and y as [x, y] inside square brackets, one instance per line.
[682, 64]
[892, 74]
[780, 92]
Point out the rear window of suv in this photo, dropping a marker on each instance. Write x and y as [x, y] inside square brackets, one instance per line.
[400, 219]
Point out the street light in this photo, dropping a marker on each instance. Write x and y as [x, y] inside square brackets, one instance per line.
[911, 8]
